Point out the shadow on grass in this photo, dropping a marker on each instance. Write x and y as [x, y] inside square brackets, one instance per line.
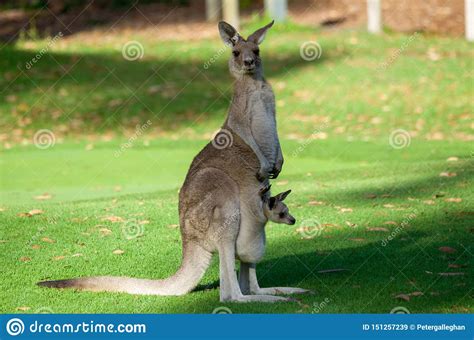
[99, 91]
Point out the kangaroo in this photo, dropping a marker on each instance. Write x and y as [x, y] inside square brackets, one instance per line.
[252, 111]
[221, 208]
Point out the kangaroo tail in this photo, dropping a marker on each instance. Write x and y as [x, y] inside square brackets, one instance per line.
[194, 264]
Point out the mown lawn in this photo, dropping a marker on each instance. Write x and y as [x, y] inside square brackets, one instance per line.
[394, 223]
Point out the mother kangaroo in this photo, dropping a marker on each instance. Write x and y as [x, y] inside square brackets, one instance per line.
[220, 206]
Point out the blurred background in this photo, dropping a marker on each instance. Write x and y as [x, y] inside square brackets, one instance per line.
[104, 104]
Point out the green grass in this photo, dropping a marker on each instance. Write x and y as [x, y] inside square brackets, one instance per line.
[335, 117]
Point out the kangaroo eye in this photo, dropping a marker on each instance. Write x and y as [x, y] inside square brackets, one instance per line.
[257, 52]
[236, 53]
[281, 215]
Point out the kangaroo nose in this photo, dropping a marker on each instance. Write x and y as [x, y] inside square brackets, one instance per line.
[248, 61]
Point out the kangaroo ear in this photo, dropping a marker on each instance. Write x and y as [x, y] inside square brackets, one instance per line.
[282, 196]
[271, 203]
[264, 190]
[229, 34]
[258, 36]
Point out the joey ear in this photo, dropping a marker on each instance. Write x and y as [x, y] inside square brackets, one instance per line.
[271, 203]
[281, 196]
[258, 36]
[229, 34]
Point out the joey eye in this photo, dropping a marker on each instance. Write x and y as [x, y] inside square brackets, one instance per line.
[257, 52]
[236, 53]
[281, 215]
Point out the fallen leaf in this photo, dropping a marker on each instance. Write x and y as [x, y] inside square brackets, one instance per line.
[451, 274]
[405, 297]
[453, 199]
[23, 308]
[429, 202]
[337, 270]
[31, 213]
[113, 219]
[25, 259]
[454, 265]
[36, 246]
[389, 206]
[350, 224]
[43, 197]
[58, 258]
[282, 182]
[391, 223]
[105, 231]
[344, 210]
[48, 240]
[448, 174]
[416, 294]
[173, 225]
[315, 203]
[144, 222]
[452, 159]
[118, 252]
[448, 250]
[377, 229]
[76, 255]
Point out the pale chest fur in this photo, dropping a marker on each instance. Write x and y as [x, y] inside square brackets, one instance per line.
[261, 111]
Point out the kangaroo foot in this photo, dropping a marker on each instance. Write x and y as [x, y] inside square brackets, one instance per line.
[258, 298]
[281, 291]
